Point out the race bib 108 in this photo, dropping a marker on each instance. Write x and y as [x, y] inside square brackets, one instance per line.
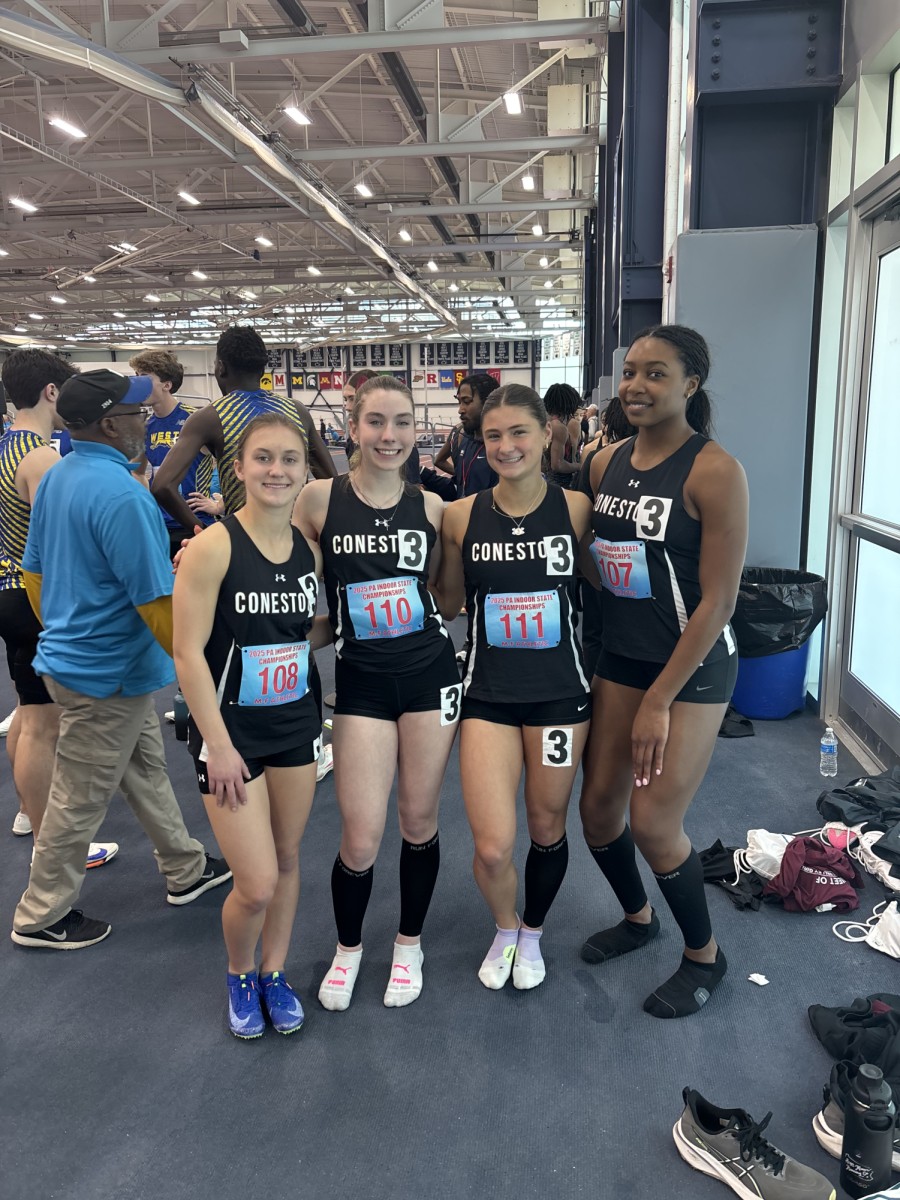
[273, 674]
[385, 608]
[623, 568]
[522, 620]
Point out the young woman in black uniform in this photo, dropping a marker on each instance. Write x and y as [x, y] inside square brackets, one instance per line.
[244, 607]
[396, 680]
[512, 551]
[670, 526]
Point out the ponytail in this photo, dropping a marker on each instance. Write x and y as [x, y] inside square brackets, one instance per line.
[699, 412]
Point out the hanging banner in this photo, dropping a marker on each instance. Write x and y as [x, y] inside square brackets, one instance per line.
[443, 354]
[446, 379]
[458, 377]
[537, 348]
[325, 382]
[482, 354]
[335, 358]
[418, 377]
[337, 380]
[401, 375]
[396, 354]
[311, 382]
[315, 357]
[460, 354]
[298, 360]
[520, 353]
[298, 381]
[431, 379]
[501, 354]
[494, 373]
[358, 357]
[426, 354]
[279, 381]
[377, 356]
[265, 382]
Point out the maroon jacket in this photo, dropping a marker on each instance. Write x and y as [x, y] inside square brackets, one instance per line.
[812, 874]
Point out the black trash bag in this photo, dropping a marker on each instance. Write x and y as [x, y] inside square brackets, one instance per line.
[776, 610]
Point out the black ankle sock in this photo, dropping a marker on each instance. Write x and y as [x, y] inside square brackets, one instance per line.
[350, 892]
[688, 989]
[685, 895]
[418, 874]
[620, 939]
[617, 862]
[545, 869]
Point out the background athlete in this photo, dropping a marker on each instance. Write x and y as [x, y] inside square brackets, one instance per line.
[670, 524]
[512, 550]
[244, 606]
[396, 679]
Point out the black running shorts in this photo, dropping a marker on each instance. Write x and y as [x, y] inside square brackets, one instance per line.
[386, 697]
[298, 756]
[20, 629]
[711, 683]
[572, 710]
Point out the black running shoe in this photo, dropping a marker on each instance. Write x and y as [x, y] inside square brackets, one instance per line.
[217, 871]
[828, 1123]
[74, 931]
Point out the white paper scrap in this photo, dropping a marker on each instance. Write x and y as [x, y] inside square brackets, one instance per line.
[757, 978]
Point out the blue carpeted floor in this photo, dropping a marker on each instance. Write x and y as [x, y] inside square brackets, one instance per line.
[121, 1081]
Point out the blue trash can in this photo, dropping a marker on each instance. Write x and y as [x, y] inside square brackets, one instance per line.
[772, 687]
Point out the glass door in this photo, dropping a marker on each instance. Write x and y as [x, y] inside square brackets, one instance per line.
[870, 663]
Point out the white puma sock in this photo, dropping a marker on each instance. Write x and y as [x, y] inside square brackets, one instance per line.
[495, 969]
[336, 991]
[528, 969]
[405, 983]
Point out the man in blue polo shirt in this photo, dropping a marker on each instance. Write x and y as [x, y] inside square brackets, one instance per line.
[96, 568]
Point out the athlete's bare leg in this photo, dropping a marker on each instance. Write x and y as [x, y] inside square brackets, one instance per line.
[34, 752]
[291, 791]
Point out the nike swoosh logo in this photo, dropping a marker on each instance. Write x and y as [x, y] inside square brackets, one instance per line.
[704, 689]
[582, 708]
[240, 1023]
[58, 937]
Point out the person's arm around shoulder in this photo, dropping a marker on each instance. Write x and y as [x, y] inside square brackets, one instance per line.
[450, 590]
[434, 511]
[580, 509]
[311, 509]
[202, 428]
[321, 464]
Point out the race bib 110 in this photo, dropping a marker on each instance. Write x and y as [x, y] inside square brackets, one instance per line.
[385, 608]
[522, 620]
[623, 568]
[273, 674]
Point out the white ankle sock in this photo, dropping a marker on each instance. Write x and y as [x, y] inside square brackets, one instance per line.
[528, 969]
[495, 969]
[405, 983]
[336, 991]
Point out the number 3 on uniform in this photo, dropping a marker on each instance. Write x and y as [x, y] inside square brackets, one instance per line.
[451, 699]
[557, 744]
[412, 546]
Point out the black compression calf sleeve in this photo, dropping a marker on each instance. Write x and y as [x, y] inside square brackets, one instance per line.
[418, 874]
[685, 896]
[617, 862]
[350, 892]
[545, 869]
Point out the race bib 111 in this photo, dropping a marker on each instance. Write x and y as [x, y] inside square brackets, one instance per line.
[385, 608]
[623, 568]
[522, 620]
[273, 674]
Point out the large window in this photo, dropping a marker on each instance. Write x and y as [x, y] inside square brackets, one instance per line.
[880, 490]
[875, 639]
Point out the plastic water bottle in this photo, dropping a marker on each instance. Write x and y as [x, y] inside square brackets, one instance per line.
[869, 1118]
[828, 753]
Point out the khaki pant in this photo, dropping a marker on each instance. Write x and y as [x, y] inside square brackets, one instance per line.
[103, 745]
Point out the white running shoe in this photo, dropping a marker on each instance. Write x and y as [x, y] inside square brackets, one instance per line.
[325, 763]
[101, 852]
[4, 726]
[21, 826]
[498, 963]
[170, 717]
[336, 990]
[405, 983]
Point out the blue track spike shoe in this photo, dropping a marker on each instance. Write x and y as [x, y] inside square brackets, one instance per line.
[245, 1019]
[283, 1006]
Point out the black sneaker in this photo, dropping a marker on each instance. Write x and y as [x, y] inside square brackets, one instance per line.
[74, 931]
[828, 1123]
[217, 871]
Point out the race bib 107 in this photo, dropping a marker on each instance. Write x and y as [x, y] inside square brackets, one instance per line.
[522, 620]
[385, 608]
[623, 568]
[273, 674]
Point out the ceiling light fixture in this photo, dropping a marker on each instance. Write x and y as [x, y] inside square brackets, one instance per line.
[348, 290]
[189, 198]
[537, 230]
[528, 183]
[25, 205]
[432, 265]
[67, 127]
[453, 287]
[364, 190]
[36, 316]
[513, 102]
[264, 241]
[19, 329]
[548, 283]
[199, 275]
[295, 114]
[4, 253]
[117, 314]
[152, 297]
[58, 299]
[545, 262]
[89, 279]
[248, 295]
[314, 270]
[404, 235]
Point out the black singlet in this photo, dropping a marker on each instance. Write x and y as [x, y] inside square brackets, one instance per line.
[647, 548]
[263, 612]
[376, 571]
[520, 597]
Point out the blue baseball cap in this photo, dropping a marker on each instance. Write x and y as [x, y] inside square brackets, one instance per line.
[87, 397]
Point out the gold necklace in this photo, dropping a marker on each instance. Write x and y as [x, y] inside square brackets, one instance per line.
[518, 530]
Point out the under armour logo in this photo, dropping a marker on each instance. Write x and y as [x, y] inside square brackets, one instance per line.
[634, 483]
[279, 578]
[384, 523]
